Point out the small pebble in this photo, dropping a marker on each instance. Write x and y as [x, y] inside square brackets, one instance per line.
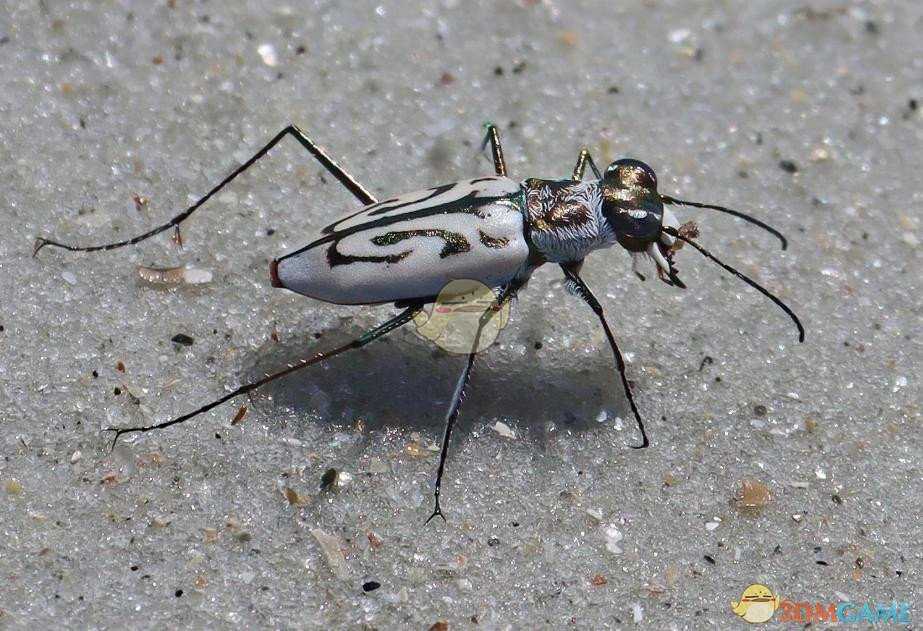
[174, 275]
[330, 546]
[268, 54]
[752, 494]
[637, 613]
[329, 478]
[821, 474]
[76, 456]
[504, 430]
[679, 35]
[69, 278]
[712, 525]
[183, 339]
[613, 537]
[370, 586]
[788, 166]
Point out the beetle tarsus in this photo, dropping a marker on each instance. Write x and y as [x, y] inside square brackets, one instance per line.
[436, 511]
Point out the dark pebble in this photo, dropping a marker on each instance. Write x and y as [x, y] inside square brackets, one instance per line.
[329, 477]
[788, 166]
[182, 338]
[493, 541]
[370, 586]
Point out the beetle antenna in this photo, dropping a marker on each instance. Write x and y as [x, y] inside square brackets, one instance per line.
[673, 232]
[666, 199]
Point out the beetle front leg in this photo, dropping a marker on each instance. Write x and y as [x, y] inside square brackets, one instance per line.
[582, 160]
[317, 151]
[584, 292]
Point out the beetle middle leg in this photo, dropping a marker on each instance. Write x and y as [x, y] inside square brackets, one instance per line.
[459, 394]
[584, 292]
[496, 148]
[359, 191]
[582, 160]
[372, 334]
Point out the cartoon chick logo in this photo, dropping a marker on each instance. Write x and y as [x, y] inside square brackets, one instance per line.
[453, 322]
[756, 604]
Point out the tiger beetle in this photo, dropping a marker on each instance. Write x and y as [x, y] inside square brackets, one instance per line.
[490, 229]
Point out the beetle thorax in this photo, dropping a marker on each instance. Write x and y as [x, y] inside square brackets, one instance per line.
[565, 219]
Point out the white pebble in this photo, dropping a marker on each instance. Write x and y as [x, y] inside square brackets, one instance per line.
[797, 517]
[195, 276]
[637, 612]
[821, 474]
[268, 53]
[712, 525]
[344, 478]
[69, 278]
[76, 456]
[613, 537]
[504, 430]
[680, 35]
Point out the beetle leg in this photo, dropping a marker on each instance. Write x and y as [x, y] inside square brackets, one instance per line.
[496, 148]
[582, 160]
[373, 334]
[588, 297]
[459, 394]
[318, 152]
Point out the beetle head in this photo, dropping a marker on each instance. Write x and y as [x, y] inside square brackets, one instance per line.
[634, 209]
[631, 203]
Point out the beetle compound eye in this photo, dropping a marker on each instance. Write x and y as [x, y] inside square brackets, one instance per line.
[629, 173]
[635, 216]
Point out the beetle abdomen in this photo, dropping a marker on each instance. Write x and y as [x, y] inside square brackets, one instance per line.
[412, 246]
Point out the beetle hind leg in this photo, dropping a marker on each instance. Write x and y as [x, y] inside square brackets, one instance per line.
[313, 148]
